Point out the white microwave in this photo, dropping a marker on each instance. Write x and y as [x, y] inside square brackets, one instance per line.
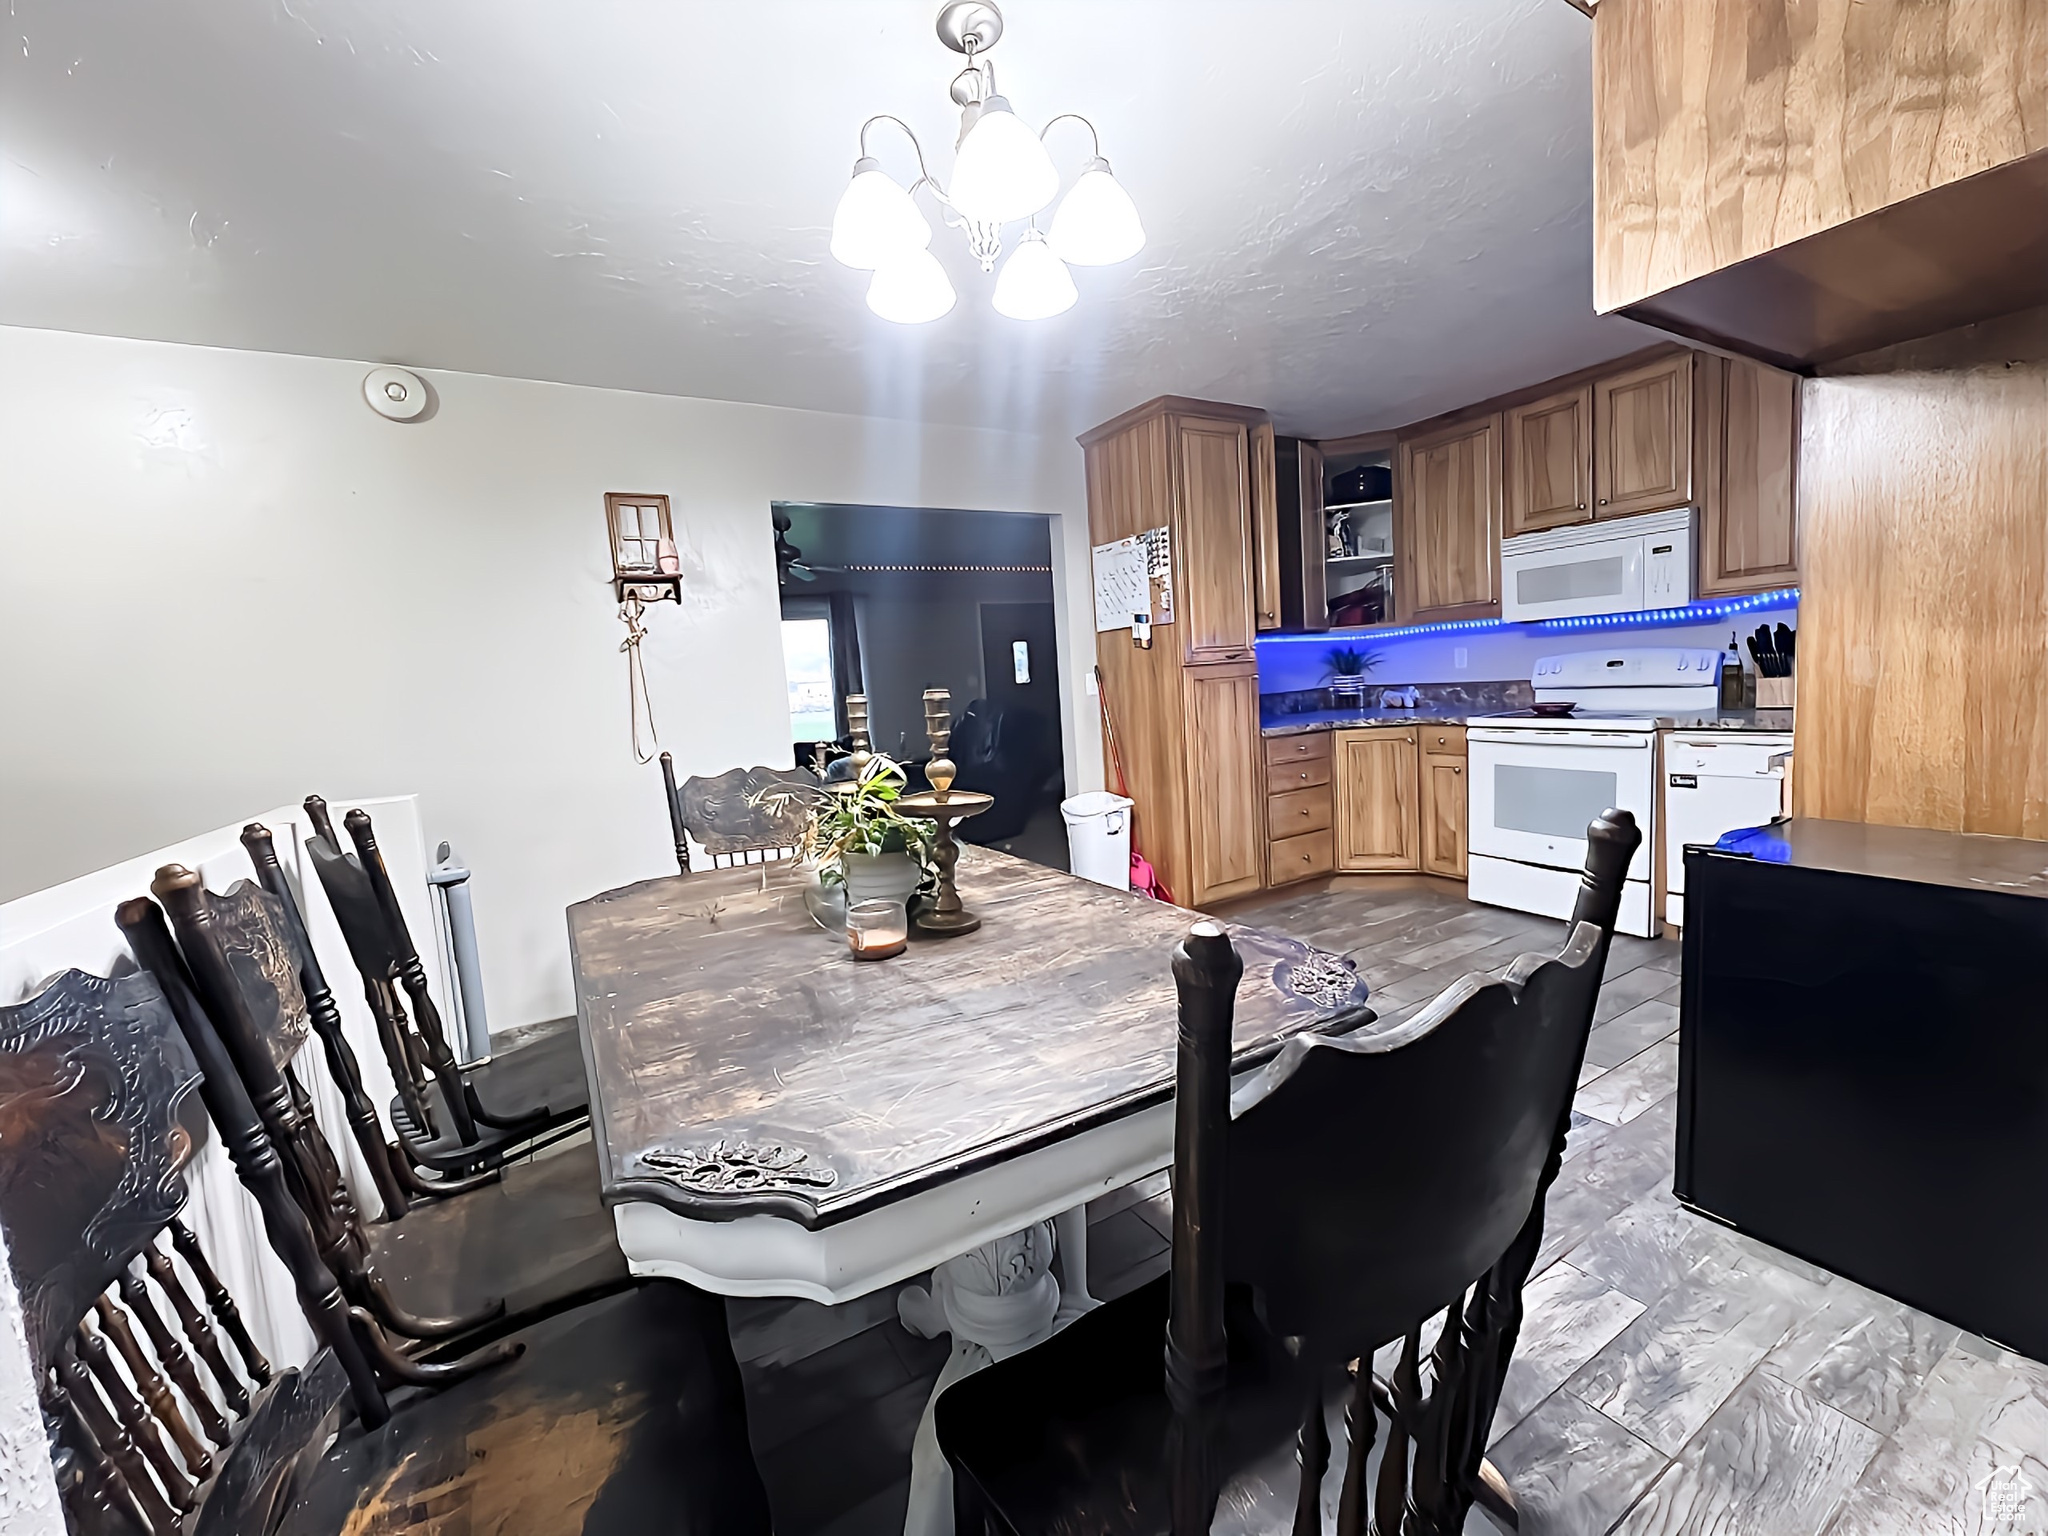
[1625, 565]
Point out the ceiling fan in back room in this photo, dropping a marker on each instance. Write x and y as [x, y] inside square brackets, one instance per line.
[789, 560]
[1001, 174]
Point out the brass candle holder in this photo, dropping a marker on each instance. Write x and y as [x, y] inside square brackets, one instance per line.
[944, 805]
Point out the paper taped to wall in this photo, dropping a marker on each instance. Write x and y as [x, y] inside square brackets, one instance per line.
[1122, 585]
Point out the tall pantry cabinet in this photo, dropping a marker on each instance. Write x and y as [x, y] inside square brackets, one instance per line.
[1186, 711]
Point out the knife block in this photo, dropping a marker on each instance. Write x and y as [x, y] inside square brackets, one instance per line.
[1775, 692]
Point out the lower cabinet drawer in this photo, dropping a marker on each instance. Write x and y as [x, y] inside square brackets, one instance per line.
[1299, 811]
[1301, 858]
[1281, 777]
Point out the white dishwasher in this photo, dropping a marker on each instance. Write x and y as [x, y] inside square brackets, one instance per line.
[1715, 782]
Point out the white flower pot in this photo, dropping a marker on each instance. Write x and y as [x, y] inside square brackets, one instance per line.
[880, 876]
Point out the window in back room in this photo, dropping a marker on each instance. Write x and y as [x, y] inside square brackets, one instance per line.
[807, 657]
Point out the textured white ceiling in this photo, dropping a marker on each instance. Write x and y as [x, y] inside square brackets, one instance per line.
[1361, 211]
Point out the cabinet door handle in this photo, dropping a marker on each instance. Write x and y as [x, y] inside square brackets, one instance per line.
[1304, 773]
[1603, 501]
[1457, 770]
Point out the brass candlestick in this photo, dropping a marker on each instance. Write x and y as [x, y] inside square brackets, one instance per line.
[944, 805]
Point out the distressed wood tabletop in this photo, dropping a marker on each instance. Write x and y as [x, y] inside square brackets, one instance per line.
[742, 1061]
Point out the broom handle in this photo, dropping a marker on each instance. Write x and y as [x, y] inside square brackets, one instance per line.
[1116, 756]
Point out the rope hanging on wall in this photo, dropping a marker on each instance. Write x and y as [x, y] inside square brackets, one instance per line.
[638, 702]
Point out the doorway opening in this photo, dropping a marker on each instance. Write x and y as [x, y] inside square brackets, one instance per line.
[890, 601]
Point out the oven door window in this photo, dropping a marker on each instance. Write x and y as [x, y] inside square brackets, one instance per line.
[1551, 802]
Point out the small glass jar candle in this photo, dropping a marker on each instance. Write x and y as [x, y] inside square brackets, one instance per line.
[875, 930]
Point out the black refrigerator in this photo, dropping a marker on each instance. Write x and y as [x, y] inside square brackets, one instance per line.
[1863, 1061]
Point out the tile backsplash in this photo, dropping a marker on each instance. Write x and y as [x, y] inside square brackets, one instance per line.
[1456, 698]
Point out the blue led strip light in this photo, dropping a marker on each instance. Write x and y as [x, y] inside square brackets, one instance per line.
[1691, 613]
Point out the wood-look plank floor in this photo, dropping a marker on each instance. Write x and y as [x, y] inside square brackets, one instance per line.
[1673, 1378]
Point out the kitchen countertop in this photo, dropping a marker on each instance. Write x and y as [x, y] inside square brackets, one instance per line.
[1338, 719]
[1736, 720]
[1427, 714]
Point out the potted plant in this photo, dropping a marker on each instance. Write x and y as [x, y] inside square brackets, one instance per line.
[1348, 669]
[856, 838]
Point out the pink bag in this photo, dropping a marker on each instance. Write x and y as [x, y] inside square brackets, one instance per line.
[1145, 879]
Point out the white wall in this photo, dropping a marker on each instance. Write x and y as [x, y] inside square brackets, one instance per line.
[224, 582]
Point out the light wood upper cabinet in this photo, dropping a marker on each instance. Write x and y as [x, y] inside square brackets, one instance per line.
[1226, 782]
[1749, 529]
[1450, 506]
[1642, 438]
[1377, 783]
[1212, 564]
[1549, 461]
[1265, 528]
[1443, 810]
[1808, 181]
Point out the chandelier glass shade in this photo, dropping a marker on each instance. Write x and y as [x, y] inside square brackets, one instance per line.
[911, 288]
[1034, 283]
[1096, 224]
[1002, 173]
[876, 219]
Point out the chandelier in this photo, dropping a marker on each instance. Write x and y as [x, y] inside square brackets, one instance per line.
[1001, 174]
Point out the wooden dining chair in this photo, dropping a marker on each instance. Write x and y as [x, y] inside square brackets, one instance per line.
[621, 1416]
[434, 1274]
[451, 1119]
[163, 1414]
[730, 818]
[1352, 1190]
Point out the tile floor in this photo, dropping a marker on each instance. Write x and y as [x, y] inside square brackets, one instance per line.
[1673, 1378]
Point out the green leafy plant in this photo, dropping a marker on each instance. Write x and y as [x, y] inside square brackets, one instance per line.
[861, 818]
[1348, 661]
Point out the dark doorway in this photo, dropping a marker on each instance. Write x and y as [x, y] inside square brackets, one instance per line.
[890, 601]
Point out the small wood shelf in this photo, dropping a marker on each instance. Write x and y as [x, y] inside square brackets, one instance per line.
[1359, 560]
[1355, 506]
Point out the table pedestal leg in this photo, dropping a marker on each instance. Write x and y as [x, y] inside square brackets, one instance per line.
[1070, 1229]
[996, 1300]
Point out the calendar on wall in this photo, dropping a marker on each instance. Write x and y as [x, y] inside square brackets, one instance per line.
[1133, 576]
[1123, 583]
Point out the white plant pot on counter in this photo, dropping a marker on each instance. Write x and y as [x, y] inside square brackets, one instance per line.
[880, 876]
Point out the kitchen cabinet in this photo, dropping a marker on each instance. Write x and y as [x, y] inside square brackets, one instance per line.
[1548, 445]
[1449, 521]
[1643, 438]
[1265, 490]
[1213, 615]
[1806, 182]
[1377, 779]
[1300, 812]
[1749, 531]
[1225, 788]
[1185, 711]
[1442, 815]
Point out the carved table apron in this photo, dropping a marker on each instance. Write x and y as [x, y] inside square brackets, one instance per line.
[775, 1118]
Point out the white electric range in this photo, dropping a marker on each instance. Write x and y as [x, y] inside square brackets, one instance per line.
[1537, 780]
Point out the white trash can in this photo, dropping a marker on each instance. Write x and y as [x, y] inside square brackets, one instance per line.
[1099, 838]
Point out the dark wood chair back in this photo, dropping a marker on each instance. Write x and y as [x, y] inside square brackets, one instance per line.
[1363, 1184]
[150, 1380]
[727, 822]
[365, 904]
[324, 1014]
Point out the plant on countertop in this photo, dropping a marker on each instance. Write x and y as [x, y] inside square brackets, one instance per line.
[1348, 661]
[861, 819]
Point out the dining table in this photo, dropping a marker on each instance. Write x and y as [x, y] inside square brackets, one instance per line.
[775, 1117]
